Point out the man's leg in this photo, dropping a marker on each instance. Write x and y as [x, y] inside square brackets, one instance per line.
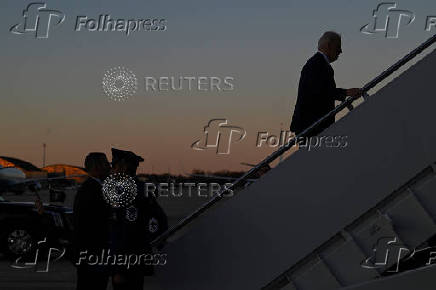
[87, 279]
[137, 281]
[128, 281]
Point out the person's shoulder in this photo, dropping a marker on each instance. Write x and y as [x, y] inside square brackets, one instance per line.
[315, 60]
[89, 184]
[316, 64]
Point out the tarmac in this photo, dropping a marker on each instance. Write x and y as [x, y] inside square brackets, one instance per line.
[62, 273]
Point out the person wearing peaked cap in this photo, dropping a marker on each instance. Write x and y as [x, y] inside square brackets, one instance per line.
[134, 226]
[118, 154]
[125, 161]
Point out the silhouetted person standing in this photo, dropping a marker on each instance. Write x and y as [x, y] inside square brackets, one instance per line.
[134, 227]
[317, 90]
[90, 223]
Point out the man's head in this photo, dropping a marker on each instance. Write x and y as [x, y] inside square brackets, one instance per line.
[97, 165]
[330, 45]
[125, 162]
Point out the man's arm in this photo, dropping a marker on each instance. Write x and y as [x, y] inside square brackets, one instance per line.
[315, 81]
[340, 94]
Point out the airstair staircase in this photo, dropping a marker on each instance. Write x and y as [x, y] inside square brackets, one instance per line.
[330, 218]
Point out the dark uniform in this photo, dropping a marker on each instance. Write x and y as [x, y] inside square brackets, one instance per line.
[90, 233]
[133, 227]
[121, 231]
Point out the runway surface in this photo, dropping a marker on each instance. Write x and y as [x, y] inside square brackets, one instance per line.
[62, 274]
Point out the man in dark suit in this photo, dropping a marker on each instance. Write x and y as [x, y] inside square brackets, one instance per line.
[90, 216]
[317, 90]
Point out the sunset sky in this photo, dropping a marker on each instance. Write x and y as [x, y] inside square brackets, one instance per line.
[51, 88]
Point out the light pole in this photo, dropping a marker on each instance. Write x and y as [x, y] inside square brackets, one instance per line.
[44, 146]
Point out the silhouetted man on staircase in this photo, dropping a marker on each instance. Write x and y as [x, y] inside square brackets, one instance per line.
[317, 90]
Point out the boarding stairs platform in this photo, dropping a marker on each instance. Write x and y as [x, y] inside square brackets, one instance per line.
[323, 219]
